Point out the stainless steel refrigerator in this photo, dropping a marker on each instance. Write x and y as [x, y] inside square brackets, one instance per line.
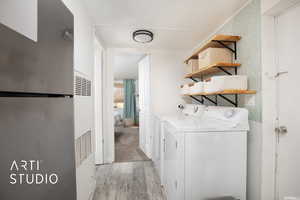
[36, 109]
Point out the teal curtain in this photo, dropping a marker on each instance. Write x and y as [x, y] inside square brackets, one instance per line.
[129, 110]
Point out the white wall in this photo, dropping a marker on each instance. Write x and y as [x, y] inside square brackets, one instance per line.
[20, 16]
[126, 66]
[84, 106]
[167, 74]
[83, 38]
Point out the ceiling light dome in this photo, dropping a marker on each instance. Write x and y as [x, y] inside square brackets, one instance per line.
[142, 36]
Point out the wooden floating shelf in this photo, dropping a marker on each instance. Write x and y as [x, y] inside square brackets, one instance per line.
[226, 39]
[211, 69]
[225, 92]
[218, 41]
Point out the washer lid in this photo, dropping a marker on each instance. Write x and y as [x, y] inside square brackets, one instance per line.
[212, 119]
[207, 125]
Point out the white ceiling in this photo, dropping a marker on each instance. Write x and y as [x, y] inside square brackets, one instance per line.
[126, 65]
[176, 24]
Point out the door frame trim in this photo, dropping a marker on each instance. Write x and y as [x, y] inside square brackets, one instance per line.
[98, 108]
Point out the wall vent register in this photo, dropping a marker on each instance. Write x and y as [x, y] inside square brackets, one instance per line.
[83, 87]
[83, 147]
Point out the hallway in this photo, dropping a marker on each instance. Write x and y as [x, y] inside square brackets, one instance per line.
[128, 181]
[127, 146]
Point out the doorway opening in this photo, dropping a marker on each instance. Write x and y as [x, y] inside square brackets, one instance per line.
[126, 108]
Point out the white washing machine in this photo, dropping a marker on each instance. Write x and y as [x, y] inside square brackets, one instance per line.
[204, 153]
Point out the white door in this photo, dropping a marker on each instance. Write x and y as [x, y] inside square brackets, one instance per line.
[98, 104]
[288, 81]
[144, 105]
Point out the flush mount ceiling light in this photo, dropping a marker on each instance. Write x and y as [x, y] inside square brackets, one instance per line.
[142, 36]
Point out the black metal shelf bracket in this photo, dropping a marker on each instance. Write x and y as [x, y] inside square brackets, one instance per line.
[215, 102]
[195, 80]
[235, 102]
[198, 100]
[209, 99]
[234, 50]
[225, 71]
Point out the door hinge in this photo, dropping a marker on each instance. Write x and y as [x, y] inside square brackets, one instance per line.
[164, 143]
[176, 144]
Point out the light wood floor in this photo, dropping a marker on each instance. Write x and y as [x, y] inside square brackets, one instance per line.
[128, 181]
[127, 146]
